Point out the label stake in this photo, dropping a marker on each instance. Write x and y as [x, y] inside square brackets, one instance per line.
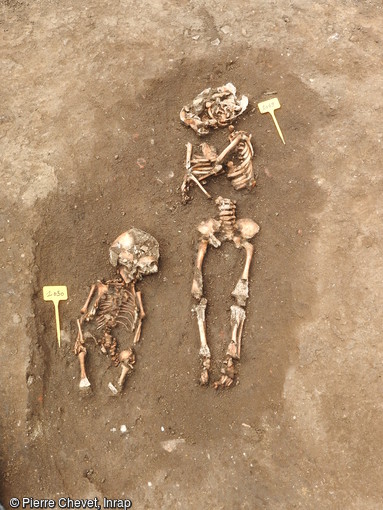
[56, 293]
[270, 106]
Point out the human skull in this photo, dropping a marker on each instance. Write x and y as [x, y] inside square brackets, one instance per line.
[135, 253]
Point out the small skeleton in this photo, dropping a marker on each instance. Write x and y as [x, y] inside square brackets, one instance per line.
[214, 232]
[116, 302]
[213, 108]
[237, 158]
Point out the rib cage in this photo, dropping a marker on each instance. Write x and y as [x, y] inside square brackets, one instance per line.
[242, 175]
[117, 306]
[200, 167]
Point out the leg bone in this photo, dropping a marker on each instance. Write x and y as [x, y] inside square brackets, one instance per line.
[233, 352]
[238, 317]
[127, 359]
[241, 291]
[249, 255]
[204, 351]
[80, 350]
[197, 286]
[84, 382]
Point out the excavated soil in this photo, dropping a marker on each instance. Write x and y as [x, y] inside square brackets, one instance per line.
[162, 399]
[91, 146]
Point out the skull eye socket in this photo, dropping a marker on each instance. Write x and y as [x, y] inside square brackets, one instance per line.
[147, 263]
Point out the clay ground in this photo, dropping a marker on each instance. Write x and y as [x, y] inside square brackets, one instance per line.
[88, 89]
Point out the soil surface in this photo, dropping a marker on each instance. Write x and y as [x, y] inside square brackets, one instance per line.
[92, 145]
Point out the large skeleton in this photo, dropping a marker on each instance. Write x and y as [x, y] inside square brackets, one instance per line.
[116, 302]
[214, 232]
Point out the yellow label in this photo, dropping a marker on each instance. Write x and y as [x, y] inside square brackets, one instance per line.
[55, 292]
[269, 106]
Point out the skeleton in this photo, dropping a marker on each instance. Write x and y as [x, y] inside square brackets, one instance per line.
[214, 232]
[116, 302]
[209, 163]
[213, 108]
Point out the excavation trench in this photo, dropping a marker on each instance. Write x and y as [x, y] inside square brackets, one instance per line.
[138, 185]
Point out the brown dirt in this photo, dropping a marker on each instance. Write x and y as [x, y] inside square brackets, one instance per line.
[113, 197]
[301, 428]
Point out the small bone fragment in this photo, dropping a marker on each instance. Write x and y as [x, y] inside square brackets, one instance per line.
[171, 444]
[113, 389]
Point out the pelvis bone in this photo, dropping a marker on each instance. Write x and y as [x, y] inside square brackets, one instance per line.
[235, 160]
[213, 108]
[116, 303]
[214, 232]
